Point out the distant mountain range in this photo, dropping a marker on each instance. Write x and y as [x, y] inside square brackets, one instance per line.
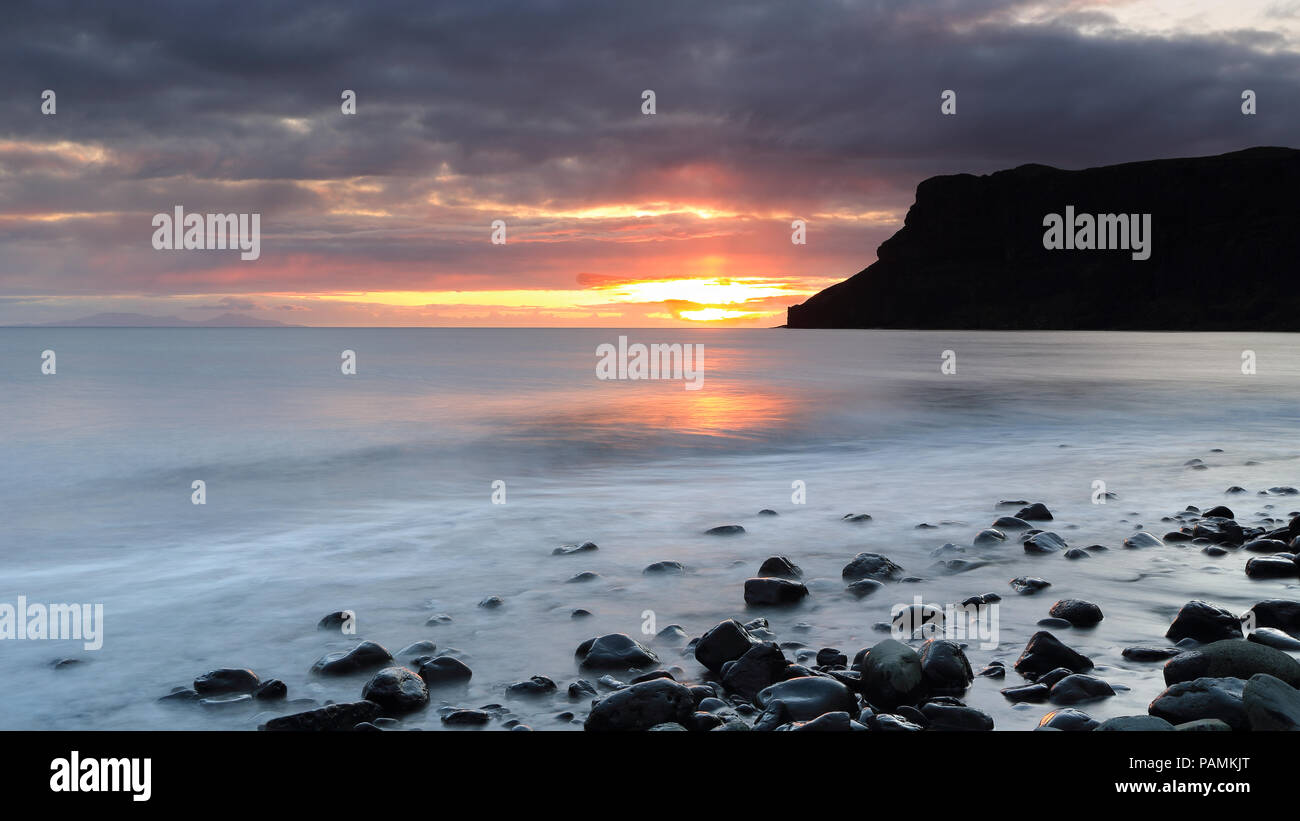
[127, 320]
[1223, 245]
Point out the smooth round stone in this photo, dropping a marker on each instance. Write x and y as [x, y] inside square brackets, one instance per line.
[808, 697]
[615, 651]
[1142, 539]
[1135, 723]
[396, 690]
[1272, 637]
[1077, 612]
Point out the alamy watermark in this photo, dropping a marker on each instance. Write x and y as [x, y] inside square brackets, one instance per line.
[208, 232]
[978, 621]
[654, 361]
[54, 622]
[1102, 232]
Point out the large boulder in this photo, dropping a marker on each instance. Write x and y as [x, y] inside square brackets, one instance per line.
[1204, 622]
[1284, 614]
[773, 591]
[1219, 698]
[642, 706]
[871, 566]
[1271, 704]
[761, 666]
[726, 641]
[892, 675]
[807, 697]
[945, 668]
[396, 690]
[365, 656]
[331, 717]
[226, 680]
[1045, 653]
[615, 651]
[1234, 658]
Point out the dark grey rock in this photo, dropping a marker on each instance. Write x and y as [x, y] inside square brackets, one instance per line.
[1046, 652]
[333, 717]
[892, 675]
[1271, 704]
[1204, 622]
[808, 697]
[1079, 687]
[1077, 612]
[365, 656]
[641, 706]
[226, 680]
[445, 670]
[396, 690]
[1219, 698]
[1232, 658]
[726, 641]
[615, 651]
[780, 567]
[871, 566]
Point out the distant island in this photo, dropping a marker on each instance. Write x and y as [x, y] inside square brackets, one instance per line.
[129, 320]
[1222, 251]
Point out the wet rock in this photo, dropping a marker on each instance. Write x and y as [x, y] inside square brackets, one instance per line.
[892, 675]
[1204, 622]
[727, 641]
[1150, 653]
[1078, 688]
[271, 690]
[1027, 693]
[994, 670]
[1272, 567]
[1219, 530]
[181, 695]
[944, 667]
[1028, 585]
[780, 567]
[760, 667]
[1142, 539]
[665, 568]
[1284, 614]
[864, 587]
[725, 530]
[1077, 612]
[396, 690]
[949, 718]
[466, 718]
[1045, 653]
[1077, 553]
[1044, 541]
[871, 566]
[615, 651]
[1137, 723]
[491, 602]
[767, 511]
[888, 722]
[581, 689]
[336, 620]
[1005, 523]
[584, 576]
[1203, 725]
[641, 706]
[365, 656]
[419, 648]
[1271, 704]
[856, 517]
[1219, 698]
[1264, 546]
[1232, 658]
[333, 717]
[570, 549]
[770, 591]
[990, 537]
[838, 722]
[1272, 637]
[807, 697]
[445, 670]
[829, 656]
[1053, 623]
[1068, 719]
[226, 680]
[672, 634]
[1037, 512]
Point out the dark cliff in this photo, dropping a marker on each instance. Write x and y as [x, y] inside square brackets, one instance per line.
[1225, 252]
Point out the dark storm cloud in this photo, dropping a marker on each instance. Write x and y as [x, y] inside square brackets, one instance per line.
[771, 108]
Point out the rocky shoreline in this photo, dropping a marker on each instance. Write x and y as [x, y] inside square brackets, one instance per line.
[1223, 671]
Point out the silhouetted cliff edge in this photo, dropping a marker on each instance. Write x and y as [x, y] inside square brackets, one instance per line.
[1224, 252]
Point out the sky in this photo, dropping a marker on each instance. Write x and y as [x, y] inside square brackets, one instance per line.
[531, 113]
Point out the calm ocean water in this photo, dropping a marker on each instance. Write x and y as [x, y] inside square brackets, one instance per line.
[373, 492]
